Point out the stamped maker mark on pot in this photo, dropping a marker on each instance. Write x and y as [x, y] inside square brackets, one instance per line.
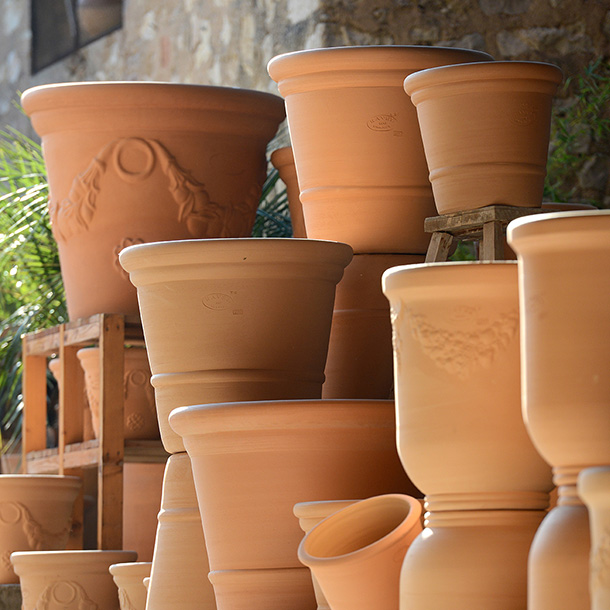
[382, 122]
[217, 301]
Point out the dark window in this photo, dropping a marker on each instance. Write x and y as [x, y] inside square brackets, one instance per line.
[60, 27]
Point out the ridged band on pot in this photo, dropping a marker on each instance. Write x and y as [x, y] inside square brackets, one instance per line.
[356, 553]
[456, 364]
[270, 589]
[253, 461]
[358, 153]
[129, 579]
[283, 160]
[190, 160]
[35, 515]
[230, 320]
[71, 580]
[485, 129]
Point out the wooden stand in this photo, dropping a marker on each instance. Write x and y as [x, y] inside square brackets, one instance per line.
[486, 225]
[108, 452]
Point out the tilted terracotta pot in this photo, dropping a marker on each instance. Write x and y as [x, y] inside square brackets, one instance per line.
[140, 416]
[356, 554]
[283, 160]
[359, 363]
[137, 162]
[253, 461]
[485, 128]
[564, 261]
[250, 318]
[356, 142]
[180, 561]
[68, 580]
[129, 578]
[35, 515]
[594, 489]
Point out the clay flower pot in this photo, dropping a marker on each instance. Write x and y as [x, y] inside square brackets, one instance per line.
[594, 489]
[564, 260]
[485, 128]
[250, 318]
[129, 578]
[140, 417]
[253, 461]
[357, 148]
[68, 580]
[356, 554]
[35, 515]
[189, 160]
[270, 589]
[359, 363]
[283, 160]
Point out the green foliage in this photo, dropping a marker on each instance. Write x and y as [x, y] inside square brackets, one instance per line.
[579, 129]
[273, 215]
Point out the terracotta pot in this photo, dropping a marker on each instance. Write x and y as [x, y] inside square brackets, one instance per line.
[189, 159]
[356, 142]
[594, 489]
[68, 580]
[180, 562]
[565, 304]
[270, 589]
[309, 515]
[146, 583]
[283, 160]
[129, 578]
[250, 318]
[356, 554]
[359, 363]
[35, 515]
[253, 461]
[470, 560]
[485, 129]
[97, 17]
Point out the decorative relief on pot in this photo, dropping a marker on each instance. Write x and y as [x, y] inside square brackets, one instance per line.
[133, 160]
[396, 320]
[5, 561]
[137, 381]
[64, 595]
[128, 241]
[39, 539]
[460, 352]
[124, 601]
[600, 562]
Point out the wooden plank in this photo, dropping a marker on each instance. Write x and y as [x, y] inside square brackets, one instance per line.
[439, 247]
[151, 452]
[34, 423]
[492, 244]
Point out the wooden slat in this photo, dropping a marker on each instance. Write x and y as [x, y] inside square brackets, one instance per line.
[439, 247]
[34, 423]
[492, 245]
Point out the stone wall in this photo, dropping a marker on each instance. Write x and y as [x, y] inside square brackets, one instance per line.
[229, 42]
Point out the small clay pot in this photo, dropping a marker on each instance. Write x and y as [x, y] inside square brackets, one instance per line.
[35, 515]
[129, 578]
[356, 554]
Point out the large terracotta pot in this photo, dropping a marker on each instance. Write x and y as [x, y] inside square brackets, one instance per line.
[129, 579]
[140, 417]
[129, 163]
[231, 320]
[357, 148]
[35, 515]
[356, 554]
[461, 434]
[564, 261]
[485, 129]
[283, 160]
[253, 461]
[68, 580]
[359, 363]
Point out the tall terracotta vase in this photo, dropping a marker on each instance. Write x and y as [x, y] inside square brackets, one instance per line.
[283, 160]
[129, 163]
[461, 435]
[356, 143]
[564, 263]
[68, 580]
[230, 320]
[356, 553]
[129, 579]
[485, 129]
[35, 515]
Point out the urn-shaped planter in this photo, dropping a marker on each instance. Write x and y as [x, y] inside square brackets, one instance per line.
[140, 417]
[485, 129]
[129, 163]
[129, 579]
[356, 554]
[283, 160]
[35, 515]
[231, 320]
[564, 262]
[69, 580]
[358, 153]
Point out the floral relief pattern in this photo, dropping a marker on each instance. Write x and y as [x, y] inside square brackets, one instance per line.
[39, 539]
[64, 595]
[125, 243]
[600, 562]
[124, 601]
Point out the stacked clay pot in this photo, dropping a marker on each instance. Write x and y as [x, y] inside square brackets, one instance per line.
[129, 579]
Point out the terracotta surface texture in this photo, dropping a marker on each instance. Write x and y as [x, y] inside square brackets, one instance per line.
[283, 160]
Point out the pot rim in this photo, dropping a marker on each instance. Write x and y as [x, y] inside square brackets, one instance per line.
[482, 72]
[410, 521]
[132, 567]
[74, 557]
[25, 479]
